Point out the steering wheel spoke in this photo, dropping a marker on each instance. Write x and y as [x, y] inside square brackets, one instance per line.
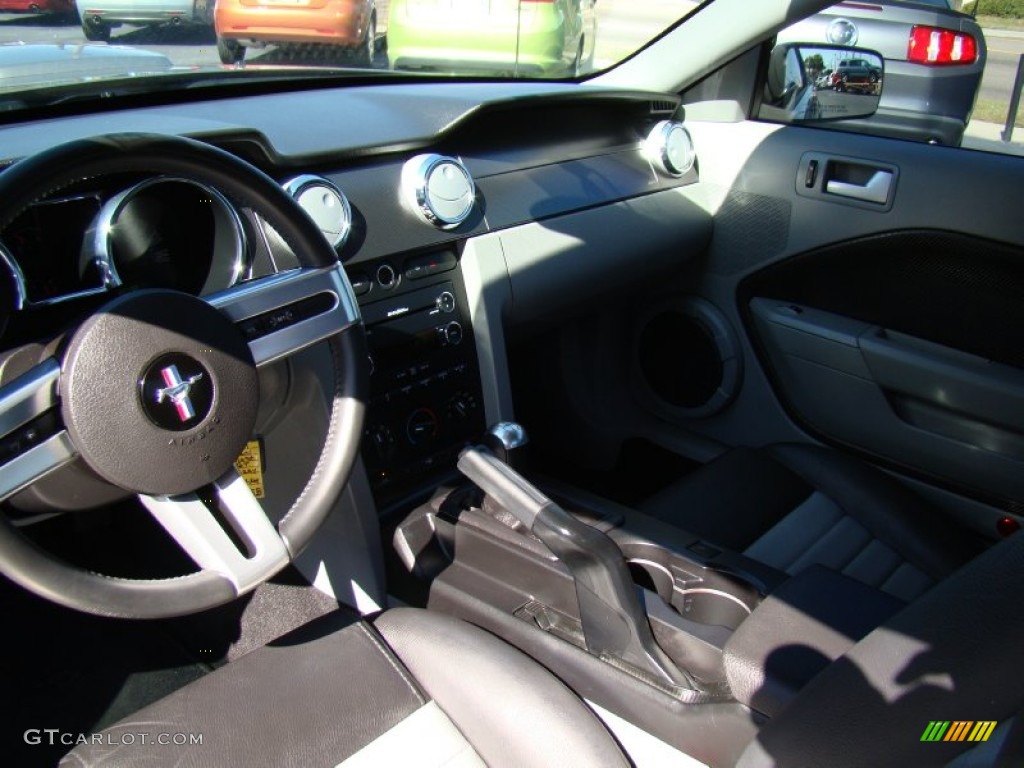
[32, 441]
[191, 523]
[287, 312]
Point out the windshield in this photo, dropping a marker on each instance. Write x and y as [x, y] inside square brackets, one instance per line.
[82, 46]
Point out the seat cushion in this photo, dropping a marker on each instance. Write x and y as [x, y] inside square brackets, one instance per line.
[415, 688]
[794, 506]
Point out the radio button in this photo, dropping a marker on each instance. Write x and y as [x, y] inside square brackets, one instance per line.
[384, 442]
[387, 278]
[419, 267]
[361, 284]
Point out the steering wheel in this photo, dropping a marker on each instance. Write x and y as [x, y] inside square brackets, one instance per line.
[157, 391]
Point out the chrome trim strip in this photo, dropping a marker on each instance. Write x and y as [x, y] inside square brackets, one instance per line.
[198, 533]
[37, 462]
[28, 396]
[266, 294]
[70, 297]
[17, 275]
[97, 244]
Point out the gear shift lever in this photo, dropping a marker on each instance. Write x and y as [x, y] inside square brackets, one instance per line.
[614, 623]
[504, 439]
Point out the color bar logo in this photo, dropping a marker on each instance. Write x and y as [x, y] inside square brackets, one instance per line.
[958, 730]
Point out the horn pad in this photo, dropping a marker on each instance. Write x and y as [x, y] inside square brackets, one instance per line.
[159, 392]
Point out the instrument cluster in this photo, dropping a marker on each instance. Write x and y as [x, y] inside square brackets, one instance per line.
[156, 233]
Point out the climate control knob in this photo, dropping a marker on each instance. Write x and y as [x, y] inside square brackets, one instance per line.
[383, 441]
[462, 405]
[421, 426]
[453, 334]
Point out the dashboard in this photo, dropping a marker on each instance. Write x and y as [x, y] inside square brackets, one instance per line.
[461, 212]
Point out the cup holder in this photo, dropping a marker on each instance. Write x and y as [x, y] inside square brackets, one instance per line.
[710, 606]
[652, 576]
[696, 593]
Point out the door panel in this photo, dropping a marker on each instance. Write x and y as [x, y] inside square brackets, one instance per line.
[895, 331]
[919, 404]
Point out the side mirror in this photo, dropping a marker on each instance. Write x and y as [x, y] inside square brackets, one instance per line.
[812, 83]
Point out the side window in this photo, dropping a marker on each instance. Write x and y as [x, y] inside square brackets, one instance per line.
[944, 74]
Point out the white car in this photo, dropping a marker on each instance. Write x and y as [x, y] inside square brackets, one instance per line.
[99, 17]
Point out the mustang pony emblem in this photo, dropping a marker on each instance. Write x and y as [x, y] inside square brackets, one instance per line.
[177, 391]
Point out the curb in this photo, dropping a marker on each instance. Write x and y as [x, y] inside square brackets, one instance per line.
[987, 136]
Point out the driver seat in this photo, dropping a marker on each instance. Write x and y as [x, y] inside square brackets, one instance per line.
[412, 688]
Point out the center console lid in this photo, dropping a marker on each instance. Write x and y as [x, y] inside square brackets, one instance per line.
[797, 631]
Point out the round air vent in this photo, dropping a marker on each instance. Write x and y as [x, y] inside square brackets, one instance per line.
[325, 204]
[439, 189]
[670, 148]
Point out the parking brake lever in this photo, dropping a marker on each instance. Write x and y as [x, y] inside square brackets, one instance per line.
[615, 625]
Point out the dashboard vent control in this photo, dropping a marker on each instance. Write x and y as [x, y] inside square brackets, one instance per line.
[439, 189]
[669, 147]
[325, 204]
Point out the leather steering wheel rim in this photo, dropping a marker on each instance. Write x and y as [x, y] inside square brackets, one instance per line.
[56, 169]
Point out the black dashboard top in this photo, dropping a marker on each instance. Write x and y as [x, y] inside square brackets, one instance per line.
[309, 126]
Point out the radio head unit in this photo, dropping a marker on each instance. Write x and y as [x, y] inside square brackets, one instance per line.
[425, 398]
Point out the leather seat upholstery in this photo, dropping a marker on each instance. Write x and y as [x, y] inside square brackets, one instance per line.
[794, 506]
[412, 688]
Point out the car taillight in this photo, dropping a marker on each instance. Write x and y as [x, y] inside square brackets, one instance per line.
[931, 45]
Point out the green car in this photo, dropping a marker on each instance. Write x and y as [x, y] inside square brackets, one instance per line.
[530, 38]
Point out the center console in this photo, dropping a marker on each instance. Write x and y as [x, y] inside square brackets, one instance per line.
[425, 399]
[697, 645]
[485, 565]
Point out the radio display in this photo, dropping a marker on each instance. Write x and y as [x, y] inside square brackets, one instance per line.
[393, 348]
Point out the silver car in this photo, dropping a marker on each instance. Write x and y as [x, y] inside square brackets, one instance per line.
[934, 58]
[99, 17]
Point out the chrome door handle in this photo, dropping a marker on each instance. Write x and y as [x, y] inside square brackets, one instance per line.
[875, 191]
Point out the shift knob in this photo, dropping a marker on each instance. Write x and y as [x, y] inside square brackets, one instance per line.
[504, 438]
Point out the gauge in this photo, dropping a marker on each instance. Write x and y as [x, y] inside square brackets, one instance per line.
[325, 204]
[168, 233]
[439, 189]
[670, 148]
[44, 243]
